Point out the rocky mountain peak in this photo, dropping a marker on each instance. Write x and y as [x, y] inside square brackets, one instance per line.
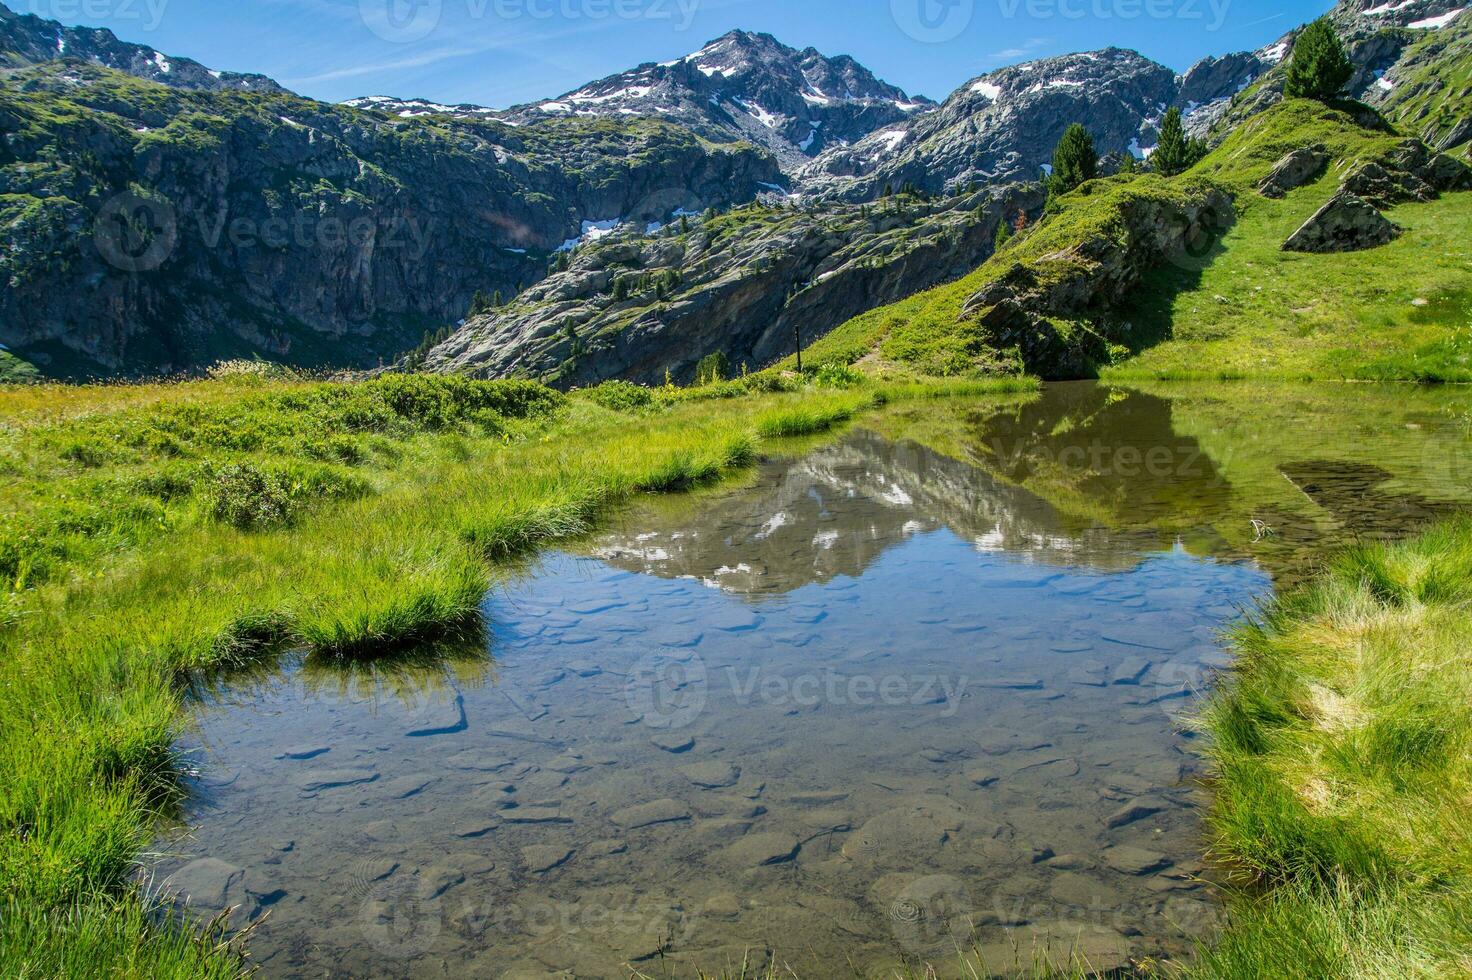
[740, 86]
[26, 39]
[1003, 125]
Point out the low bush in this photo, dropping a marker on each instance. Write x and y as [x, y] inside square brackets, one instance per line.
[620, 396]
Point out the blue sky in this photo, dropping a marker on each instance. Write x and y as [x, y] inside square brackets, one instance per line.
[503, 52]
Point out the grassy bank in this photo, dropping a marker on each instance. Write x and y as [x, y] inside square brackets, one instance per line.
[1342, 754]
[153, 531]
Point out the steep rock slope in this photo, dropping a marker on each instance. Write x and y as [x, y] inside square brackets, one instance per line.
[741, 284]
[148, 228]
[1043, 304]
[1428, 91]
[1139, 263]
[741, 86]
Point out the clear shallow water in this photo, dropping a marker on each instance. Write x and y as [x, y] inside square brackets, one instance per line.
[913, 689]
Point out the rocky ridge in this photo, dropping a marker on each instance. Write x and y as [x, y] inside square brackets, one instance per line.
[646, 307]
[26, 39]
[740, 86]
[154, 229]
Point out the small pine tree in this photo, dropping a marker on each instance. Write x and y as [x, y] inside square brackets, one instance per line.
[1019, 224]
[888, 191]
[496, 301]
[1004, 235]
[479, 303]
[1128, 164]
[1074, 161]
[712, 368]
[684, 225]
[1173, 152]
[1319, 67]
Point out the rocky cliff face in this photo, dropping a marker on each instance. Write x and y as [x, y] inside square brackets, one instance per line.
[741, 86]
[28, 39]
[742, 284]
[1428, 89]
[148, 228]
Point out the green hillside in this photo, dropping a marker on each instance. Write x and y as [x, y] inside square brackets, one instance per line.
[1396, 312]
[1240, 307]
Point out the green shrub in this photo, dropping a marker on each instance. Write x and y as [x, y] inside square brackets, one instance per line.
[836, 374]
[620, 396]
[712, 368]
[254, 498]
[248, 497]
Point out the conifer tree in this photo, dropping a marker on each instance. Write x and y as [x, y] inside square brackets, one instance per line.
[1319, 68]
[1074, 161]
[1004, 235]
[1173, 153]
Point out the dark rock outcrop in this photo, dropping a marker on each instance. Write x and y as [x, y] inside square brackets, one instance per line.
[1018, 310]
[1346, 223]
[636, 306]
[1295, 169]
[1414, 172]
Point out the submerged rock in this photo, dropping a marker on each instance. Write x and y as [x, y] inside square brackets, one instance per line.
[540, 858]
[711, 775]
[1347, 223]
[649, 814]
[759, 850]
[674, 744]
[322, 779]
[1135, 860]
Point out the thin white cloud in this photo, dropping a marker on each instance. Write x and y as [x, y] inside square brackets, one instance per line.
[1031, 46]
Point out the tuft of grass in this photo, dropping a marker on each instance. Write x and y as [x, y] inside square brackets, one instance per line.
[812, 416]
[1341, 749]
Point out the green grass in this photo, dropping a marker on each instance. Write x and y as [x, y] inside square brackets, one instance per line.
[114, 611]
[1251, 310]
[812, 416]
[1341, 747]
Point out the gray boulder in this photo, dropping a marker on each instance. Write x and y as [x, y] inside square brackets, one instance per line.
[1294, 170]
[1347, 223]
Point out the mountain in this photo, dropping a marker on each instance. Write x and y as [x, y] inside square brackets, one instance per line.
[645, 306]
[1376, 35]
[1428, 90]
[147, 228]
[1004, 125]
[28, 39]
[741, 86]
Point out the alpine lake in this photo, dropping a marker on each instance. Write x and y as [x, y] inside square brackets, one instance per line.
[918, 692]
